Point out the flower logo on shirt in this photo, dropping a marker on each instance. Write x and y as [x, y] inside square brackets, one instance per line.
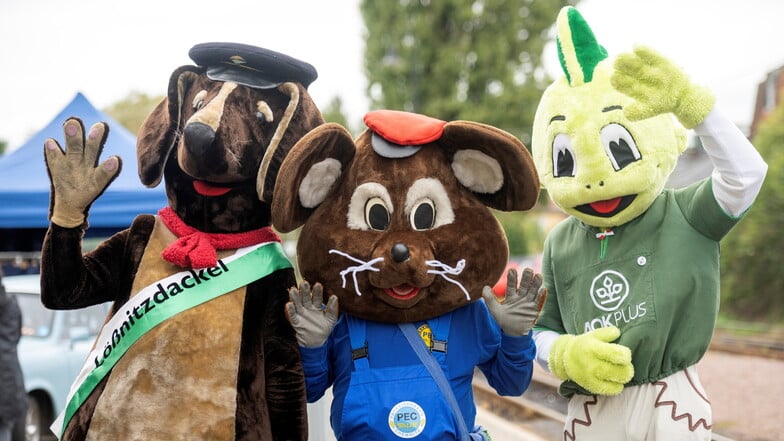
[608, 290]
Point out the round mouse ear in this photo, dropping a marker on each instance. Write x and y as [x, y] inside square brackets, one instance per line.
[493, 164]
[310, 171]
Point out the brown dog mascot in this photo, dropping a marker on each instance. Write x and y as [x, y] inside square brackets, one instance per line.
[397, 229]
[198, 346]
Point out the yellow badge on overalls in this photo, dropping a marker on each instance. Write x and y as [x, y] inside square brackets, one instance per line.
[426, 334]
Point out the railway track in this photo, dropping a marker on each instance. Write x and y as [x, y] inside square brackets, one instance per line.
[542, 411]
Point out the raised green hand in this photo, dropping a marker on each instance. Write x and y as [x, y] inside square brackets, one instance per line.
[659, 86]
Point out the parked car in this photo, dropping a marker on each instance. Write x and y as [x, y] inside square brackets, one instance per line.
[52, 350]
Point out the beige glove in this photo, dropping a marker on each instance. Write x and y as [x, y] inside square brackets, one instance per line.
[76, 179]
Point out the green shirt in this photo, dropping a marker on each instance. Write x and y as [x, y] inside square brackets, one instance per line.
[657, 279]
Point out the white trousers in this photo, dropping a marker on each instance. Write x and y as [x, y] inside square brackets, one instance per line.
[674, 408]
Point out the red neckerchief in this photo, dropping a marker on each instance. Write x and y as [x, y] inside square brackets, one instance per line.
[197, 249]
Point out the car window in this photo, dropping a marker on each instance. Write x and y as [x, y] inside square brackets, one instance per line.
[36, 320]
[80, 323]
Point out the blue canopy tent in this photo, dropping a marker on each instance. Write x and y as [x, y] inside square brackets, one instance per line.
[24, 184]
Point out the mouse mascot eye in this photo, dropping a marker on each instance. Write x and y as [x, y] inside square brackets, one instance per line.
[631, 273]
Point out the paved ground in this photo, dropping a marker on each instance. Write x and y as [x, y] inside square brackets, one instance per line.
[747, 395]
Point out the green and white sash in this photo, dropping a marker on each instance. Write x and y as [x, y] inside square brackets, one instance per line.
[160, 301]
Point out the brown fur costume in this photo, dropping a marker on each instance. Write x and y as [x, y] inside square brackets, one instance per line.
[229, 368]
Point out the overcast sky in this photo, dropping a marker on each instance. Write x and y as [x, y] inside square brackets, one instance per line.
[51, 49]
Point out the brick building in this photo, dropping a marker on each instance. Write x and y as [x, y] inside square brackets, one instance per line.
[768, 97]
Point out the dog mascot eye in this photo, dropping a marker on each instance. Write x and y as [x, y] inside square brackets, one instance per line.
[563, 156]
[198, 100]
[423, 216]
[376, 214]
[619, 145]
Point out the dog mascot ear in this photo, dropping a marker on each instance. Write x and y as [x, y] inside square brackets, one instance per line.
[198, 345]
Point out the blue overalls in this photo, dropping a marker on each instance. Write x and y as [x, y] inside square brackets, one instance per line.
[393, 403]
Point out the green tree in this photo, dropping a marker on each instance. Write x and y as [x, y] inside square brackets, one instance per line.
[523, 233]
[752, 283]
[478, 60]
[333, 112]
[3, 146]
[132, 110]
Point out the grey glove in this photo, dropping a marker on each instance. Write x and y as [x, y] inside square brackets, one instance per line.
[517, 312]
[311, 320]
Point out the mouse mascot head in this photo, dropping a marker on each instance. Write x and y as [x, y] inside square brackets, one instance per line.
[398, 224]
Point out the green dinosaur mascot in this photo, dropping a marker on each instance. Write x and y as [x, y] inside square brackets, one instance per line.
[633, 272]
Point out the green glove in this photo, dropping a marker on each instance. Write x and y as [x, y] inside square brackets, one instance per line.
[591, 361]
[521, 305]
[659, 86]
[312, 321]
[75, 176]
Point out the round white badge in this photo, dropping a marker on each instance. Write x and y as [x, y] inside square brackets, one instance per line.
[407, 419]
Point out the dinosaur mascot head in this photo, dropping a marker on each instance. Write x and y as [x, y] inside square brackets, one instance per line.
[597, 164]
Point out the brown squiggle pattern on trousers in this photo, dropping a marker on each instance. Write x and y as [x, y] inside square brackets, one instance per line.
[693, 425]
[570, 434]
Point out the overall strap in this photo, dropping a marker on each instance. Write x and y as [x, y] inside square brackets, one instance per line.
[359, 347]
[427, 358]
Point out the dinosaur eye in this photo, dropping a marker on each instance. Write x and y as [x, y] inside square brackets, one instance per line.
[619, 145]
[376, 214]
[563, 156]
[198, 100]
[423, 216]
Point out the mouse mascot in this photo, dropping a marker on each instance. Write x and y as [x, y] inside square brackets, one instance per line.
[632, 274]
[398, 231]
[198, 346]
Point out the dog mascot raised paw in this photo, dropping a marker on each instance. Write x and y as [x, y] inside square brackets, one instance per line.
[632, 274]
[198, 346]
[398, 233]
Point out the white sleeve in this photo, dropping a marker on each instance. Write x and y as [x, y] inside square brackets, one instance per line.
[739, 168]
[544, 341]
